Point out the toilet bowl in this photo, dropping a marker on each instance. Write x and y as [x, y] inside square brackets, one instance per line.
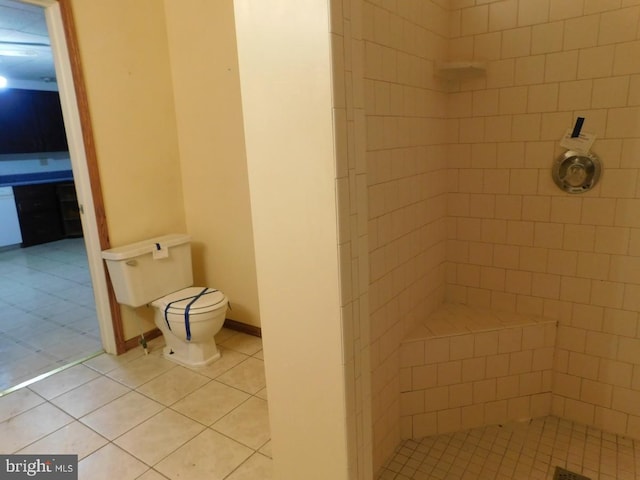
[158, 272]
[189, 319]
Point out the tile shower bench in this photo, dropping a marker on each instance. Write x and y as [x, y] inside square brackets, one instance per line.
[466, 367]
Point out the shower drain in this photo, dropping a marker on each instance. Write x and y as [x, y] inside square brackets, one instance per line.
[562, 474]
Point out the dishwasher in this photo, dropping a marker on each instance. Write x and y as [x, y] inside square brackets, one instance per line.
[9, 224]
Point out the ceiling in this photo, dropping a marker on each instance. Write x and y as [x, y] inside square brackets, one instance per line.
[25, 54]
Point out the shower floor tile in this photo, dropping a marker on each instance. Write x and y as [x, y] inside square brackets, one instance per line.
[517, 451]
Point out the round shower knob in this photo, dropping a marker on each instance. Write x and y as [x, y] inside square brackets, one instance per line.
[575, 172]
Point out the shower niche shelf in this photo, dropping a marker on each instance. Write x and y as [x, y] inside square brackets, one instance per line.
[461, 70]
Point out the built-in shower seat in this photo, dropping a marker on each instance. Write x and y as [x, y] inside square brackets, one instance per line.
[466, 367]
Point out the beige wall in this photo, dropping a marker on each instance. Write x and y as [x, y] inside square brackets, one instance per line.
[123, 48]
[206, 87]
[518, 242]
[163, 169]
[285, 71]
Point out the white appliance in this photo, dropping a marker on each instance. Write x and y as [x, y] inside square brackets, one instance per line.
[9, 224]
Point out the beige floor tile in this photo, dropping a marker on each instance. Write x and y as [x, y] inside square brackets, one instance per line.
[266, 449]
[262, 394]
[121, 415]
[256, 467]
[156, 438]
[173, 385]
[17, 402]
[151, 475]
[90, 396]
[106, 362]
[141, 370]
[243, 343]
[72, 439]
[225, 334]
[228, 359]
[259, 354]
[209, 456]
[211, 402]
[110, 463]
[24, 429]
[247, 376]
[247, 424]
[63, 381]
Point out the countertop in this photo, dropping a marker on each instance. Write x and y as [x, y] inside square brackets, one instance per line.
[17, 179]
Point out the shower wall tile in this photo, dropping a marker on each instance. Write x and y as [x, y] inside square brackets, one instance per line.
[516, 241]
[485, 376]
[405, 113]
[351, 192]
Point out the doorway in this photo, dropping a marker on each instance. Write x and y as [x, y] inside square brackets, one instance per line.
[94, 239]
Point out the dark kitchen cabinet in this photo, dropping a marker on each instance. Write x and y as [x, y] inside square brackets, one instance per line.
[31, 122]
[69, 211]
[38, 213]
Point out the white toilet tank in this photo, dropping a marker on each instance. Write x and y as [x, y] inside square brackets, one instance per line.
[145, 271]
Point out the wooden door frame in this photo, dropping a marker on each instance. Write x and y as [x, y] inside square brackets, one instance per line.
[71, 45]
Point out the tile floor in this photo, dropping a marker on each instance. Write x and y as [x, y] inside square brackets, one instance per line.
[517, 451]
[47, 310]
[140, 416]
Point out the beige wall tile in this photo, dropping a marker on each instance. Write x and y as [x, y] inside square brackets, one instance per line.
[503, 15]
[520, 362]
[424, 425]
[619, 26]
[529, 70]
[578, 411]
[597, 62]
[546, 286]
[575, 95]
[513, 100]
[610, 92]
[542, 98]
[474, 20]
[532, 12]
[516, 42]
[561, 66]
[460, 395]
[581, 32]
[547, 37]
[507, 387]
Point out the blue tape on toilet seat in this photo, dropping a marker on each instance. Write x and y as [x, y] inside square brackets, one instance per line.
[187, 308]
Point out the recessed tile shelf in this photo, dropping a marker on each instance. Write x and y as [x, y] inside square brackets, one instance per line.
[460, 70]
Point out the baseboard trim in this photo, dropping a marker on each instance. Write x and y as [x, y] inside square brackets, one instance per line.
[243, 327]
[228, 323]
[135, 341]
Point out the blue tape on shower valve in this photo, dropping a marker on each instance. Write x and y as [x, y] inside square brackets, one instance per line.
[577, 127]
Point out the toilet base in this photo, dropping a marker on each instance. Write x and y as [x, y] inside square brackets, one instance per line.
[201, 350]
[191, 354]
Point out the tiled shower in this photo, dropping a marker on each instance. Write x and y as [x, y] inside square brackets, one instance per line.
[462, 208]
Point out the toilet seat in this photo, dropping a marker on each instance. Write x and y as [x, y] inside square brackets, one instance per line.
[176, 303]
[185, 306]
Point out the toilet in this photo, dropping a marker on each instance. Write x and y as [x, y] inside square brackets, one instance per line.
[158, 272]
